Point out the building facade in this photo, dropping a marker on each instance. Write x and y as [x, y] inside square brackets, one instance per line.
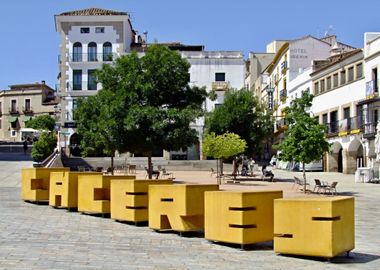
[338, 86]
[21, 103]
[88, 39]
[92, 37]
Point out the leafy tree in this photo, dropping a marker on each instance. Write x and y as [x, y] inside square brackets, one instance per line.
[146, 103]
[223, 146]
[44, 146]
[100, 124]
[305, 138]
[242, 114]
[42, 122]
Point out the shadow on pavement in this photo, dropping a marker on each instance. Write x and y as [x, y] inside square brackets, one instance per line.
[353, 258]
[15, 156]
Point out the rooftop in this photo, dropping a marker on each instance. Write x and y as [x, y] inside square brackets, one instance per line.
[93, 12]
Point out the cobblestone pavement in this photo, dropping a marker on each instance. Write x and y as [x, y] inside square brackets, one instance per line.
[40, 237]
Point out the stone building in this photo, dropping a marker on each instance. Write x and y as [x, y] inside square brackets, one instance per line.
[21, 103]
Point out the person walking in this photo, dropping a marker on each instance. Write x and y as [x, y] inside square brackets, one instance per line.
[25, 146]
[251, 165]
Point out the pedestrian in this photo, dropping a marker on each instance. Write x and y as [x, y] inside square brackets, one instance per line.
[251, 165]
[25, 146]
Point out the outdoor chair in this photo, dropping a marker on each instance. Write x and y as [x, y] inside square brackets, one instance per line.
[155, 173]
[165, 173]
[300, 183]
[331, 188]
[319, 186]
[213, 172]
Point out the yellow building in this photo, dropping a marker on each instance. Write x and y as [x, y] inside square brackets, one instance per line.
[21, 103]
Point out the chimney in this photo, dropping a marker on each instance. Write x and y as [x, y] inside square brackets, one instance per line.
[43, 82]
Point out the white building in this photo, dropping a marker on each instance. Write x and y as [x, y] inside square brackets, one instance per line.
[338, 86]
[92, 37]
[218, 71]
[88, 38]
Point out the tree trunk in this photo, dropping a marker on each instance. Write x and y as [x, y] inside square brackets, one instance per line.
[304, 177]
[234, 173]
[112, 157]
[221, 166]
[150, 166]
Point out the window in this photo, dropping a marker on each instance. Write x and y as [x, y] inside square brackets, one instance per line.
[77, 79]
[75, 106]
[322, 86]
[316, 88]
[359, 71]
[342, 77]
[27, 105]
[85, 30]
[13, 106]
[1, 108]
[374, 78]
[328, 83]
[346, 113]
[107, 51]
[220, 77]
[335, 80]
[13, 133]
[0, 124]
[77, 52]
[217, 105]
[350, 74]
[324, 118]
[92, 51]
[284, 84]
[91, 83]
[99, 30]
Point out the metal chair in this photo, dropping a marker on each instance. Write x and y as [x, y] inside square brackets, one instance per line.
[331, 188]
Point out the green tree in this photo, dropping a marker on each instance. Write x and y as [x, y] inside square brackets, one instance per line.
[242, 114]
[147, 103]
[44, 146]
[100, 124]
[222, 147]
[305, 138]
[42, 122]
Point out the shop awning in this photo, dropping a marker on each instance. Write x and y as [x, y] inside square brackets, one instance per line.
[12, 119]
[26, 118]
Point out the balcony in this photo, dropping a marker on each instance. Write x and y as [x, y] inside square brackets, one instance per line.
[27, 110]
[344, 127]
[84, 85]
[369, 130]
[281, 125]
[284, 67]
[13, 110]
[220, 86]
[371, 89]
[92, 57]
[283, 95]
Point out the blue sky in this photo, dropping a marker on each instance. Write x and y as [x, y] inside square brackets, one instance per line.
[29, 43]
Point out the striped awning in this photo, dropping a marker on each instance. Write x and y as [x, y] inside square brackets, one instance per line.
[12, 119]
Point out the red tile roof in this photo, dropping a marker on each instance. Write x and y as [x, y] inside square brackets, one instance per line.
[92, 12]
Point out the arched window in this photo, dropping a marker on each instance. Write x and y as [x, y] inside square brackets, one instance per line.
[77, 52]
[107, 51]
[92, 51]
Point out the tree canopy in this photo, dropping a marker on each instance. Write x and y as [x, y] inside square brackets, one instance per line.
[223, 146]
[44, 146]
[145, 103]
[305, 138]
[242, 114]
[42, 122]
